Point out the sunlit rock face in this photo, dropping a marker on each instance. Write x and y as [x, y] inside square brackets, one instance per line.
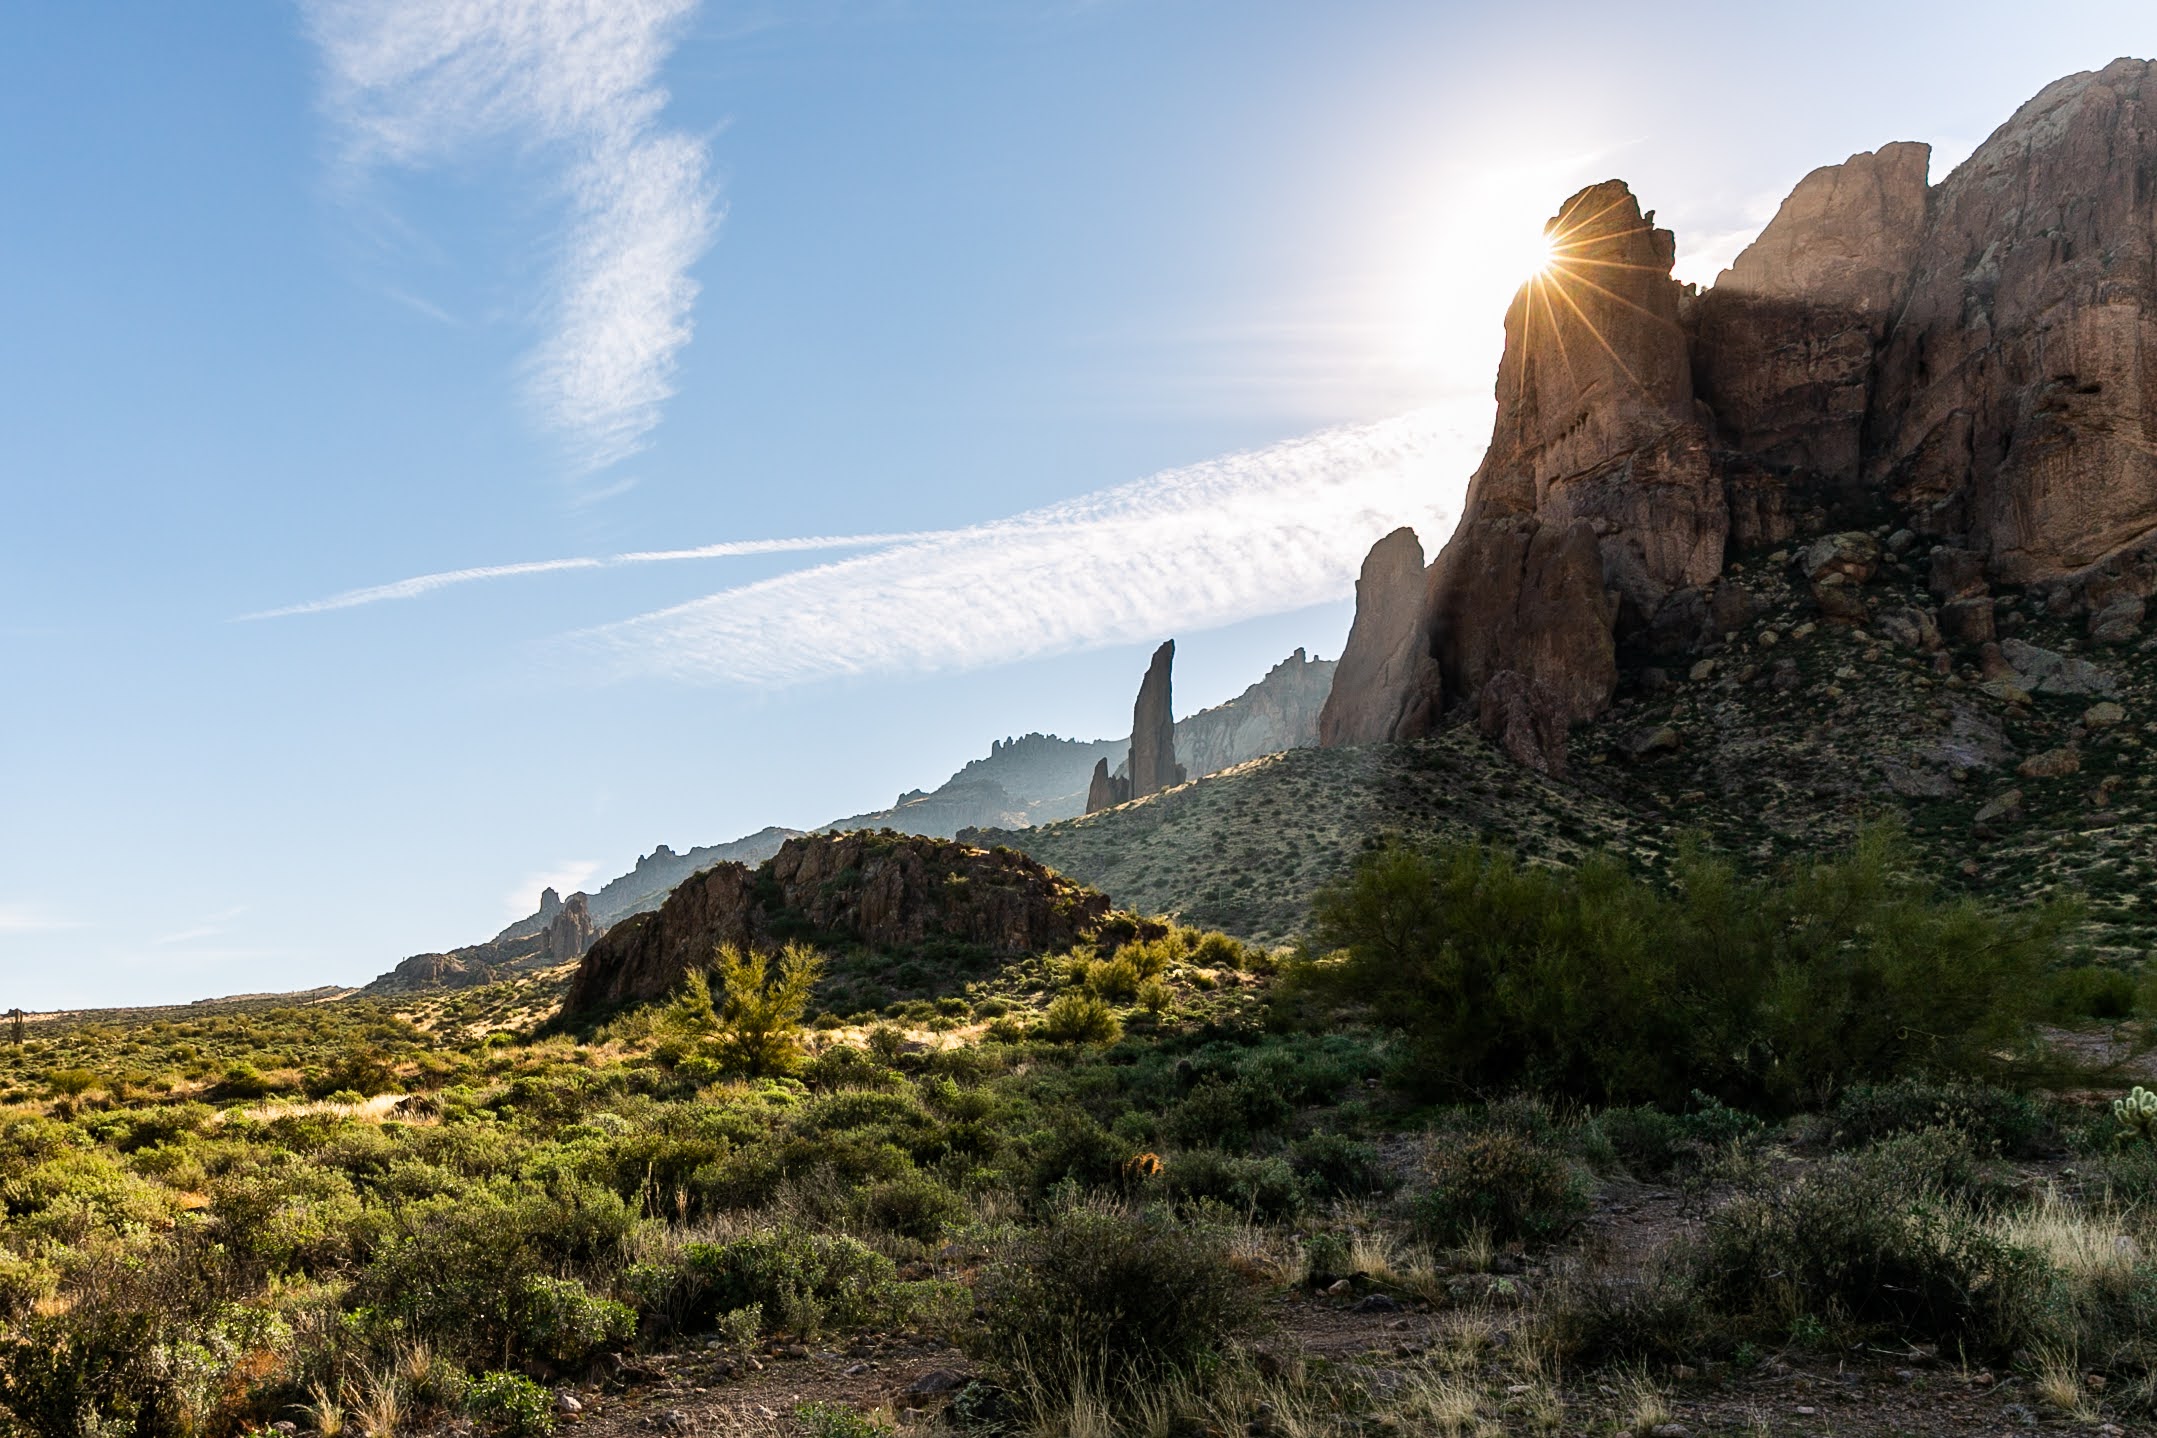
[1977, 359]
[1387, 686]
[2016, 406]
[1596, 498]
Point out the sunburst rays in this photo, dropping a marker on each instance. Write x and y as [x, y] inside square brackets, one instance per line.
[1575, 246]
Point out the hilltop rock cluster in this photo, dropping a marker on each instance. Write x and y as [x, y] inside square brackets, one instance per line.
[1969, 361]
[883, 891]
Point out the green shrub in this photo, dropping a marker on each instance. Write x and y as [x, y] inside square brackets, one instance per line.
[1103, 1298]
[804, 1282]
[1596, 983]
[836, 1420]
[2089, 992]
[1257, 1188]
[1885, 1241]
[1220, 1114]
[562, 1322]
[510, 1404]
[1114, 979]
[1333, 1165]
[1653, 1144]
[912, 1206]
[1505, 1185]
[1078, 1018]
[1995, 1118]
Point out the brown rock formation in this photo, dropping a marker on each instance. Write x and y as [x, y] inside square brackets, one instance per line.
[570, 932]
[1107, 790]
[1153, 729]
[1787, 338]
[883, 891]
[1387, 686]
[2016, 404]
[1525, 721]
[1981, 355]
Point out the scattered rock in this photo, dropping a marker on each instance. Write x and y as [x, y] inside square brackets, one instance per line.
[2005, 807]
[2103, 715]
[934, 1384]
[1702, 670]
[1852, 557]
[1377, 1303]
[566, 1403]
[1910, 628]
[2044, 671]
[2051, 764]
[2117, 622]
[1649, 742]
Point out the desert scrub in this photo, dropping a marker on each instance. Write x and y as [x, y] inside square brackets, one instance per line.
[1596, 983]
[1506, 1186]
[511, 1405]
[1080, 1018]
[1996, 1119]
[1107, 1300]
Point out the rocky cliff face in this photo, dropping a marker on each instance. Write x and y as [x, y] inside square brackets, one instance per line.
[882, 891]
[1280, 711]
[1975, 360]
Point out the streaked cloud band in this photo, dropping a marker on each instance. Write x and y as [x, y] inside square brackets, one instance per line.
[1263, 532]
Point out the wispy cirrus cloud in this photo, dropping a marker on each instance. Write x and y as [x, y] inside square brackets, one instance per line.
[1262, 532]
[413, 83]
[30, 919]
[420, 584]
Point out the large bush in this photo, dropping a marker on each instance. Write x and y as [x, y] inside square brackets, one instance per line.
[1101, 1299]
[1599, 983]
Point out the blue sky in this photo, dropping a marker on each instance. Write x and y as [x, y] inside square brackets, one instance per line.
[1142, 319]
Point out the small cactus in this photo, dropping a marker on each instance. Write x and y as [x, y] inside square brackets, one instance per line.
[2137, 1114]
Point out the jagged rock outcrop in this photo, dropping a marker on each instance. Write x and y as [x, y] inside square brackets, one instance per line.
[1596, 499]
[1106, 790]
[1153, 728]
[1788, 337]
[1281, 711]
[1387, 684]
[1975, 359]
[570, 932]
[884, 891]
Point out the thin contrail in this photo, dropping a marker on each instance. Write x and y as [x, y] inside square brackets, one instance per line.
[427, 583]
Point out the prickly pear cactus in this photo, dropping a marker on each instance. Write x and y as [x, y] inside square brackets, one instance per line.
[2137, 1114]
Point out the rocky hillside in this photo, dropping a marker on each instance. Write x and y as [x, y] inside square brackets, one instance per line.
[2018, 765]
[561, 930]
[892, 899]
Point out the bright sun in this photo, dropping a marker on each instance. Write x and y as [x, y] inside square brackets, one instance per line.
[1539, 251]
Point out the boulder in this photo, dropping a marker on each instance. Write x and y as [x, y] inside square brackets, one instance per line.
[2051, 764]
[1909, 627]
[2043, 671]
[2118, 621]
[2104, 715]
[1387, 685]
[1525, 721]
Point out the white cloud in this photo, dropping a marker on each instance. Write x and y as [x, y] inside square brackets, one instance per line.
[416, 82]
[421, 584]
[1262, 532]
[565, 878]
